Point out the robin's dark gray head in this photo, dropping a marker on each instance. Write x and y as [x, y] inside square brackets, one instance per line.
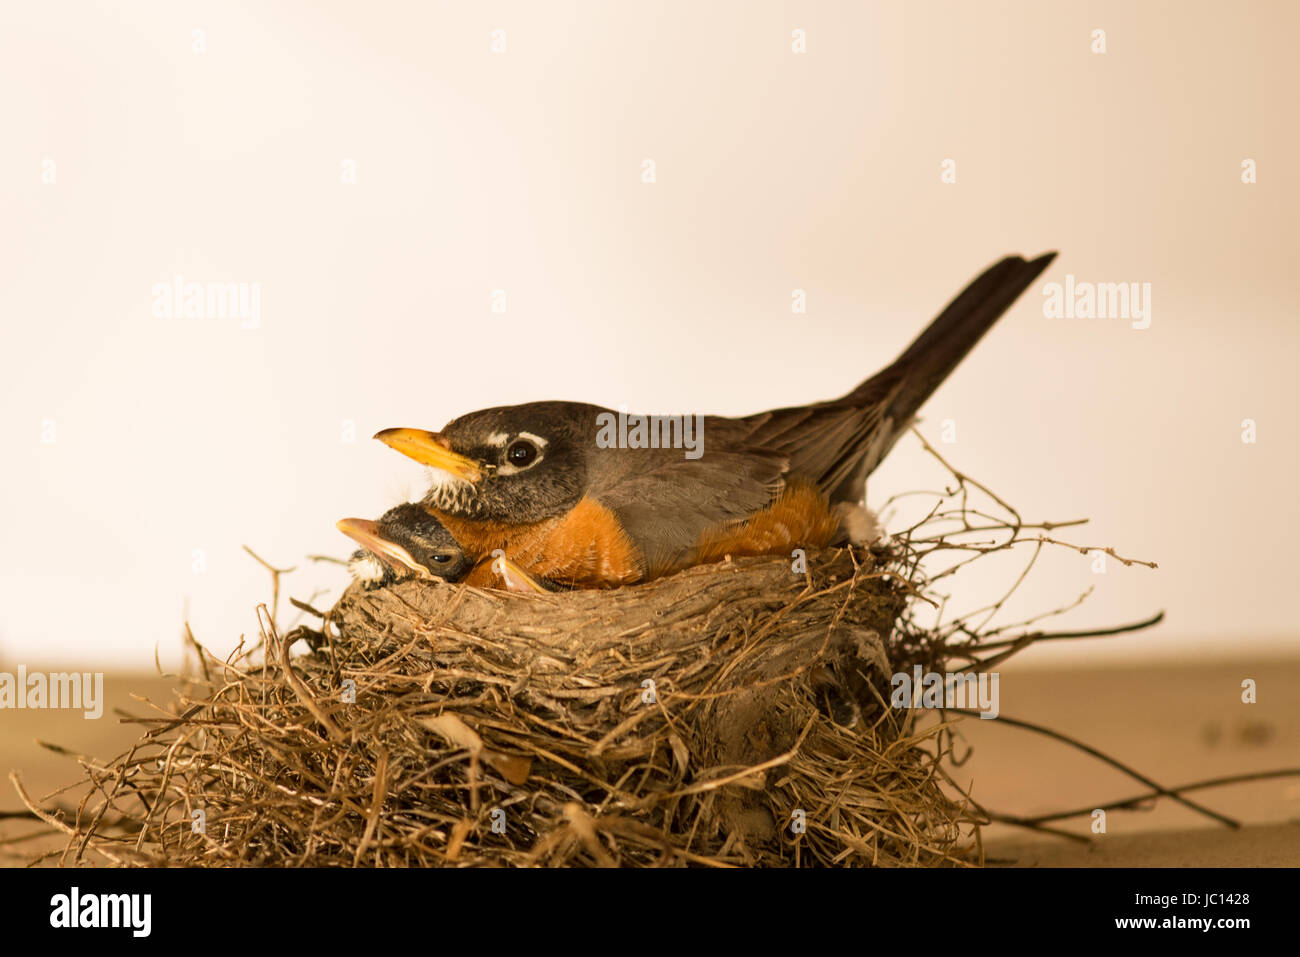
[405, 542]
[518, 463]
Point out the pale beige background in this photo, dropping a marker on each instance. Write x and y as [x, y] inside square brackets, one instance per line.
[522, 171]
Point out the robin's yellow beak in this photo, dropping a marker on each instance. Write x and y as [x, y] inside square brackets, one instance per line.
[366, 534]
[430, 448]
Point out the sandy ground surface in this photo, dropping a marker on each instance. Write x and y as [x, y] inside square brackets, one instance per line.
[1176, 725]
[1254, 845]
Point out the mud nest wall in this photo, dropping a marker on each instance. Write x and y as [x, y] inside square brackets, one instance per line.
[733, 714]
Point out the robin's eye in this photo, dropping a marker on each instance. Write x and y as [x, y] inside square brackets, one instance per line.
[442, 558]
[521, 453]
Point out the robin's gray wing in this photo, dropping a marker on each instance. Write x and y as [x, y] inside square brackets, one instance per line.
[825, 444]
[840, 442]
[666, 501]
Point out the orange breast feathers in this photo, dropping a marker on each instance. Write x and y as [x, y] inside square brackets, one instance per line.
[799, 515]
[586, 547]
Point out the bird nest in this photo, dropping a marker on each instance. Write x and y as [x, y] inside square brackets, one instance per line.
[732, 714]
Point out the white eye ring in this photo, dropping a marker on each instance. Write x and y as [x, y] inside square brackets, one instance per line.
[539, 448]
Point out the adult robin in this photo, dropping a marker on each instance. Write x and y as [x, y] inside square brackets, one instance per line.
[544, 483]
[407, 542]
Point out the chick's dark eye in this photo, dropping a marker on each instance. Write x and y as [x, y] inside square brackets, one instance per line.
[521, 453]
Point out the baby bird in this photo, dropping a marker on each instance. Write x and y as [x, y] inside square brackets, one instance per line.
[408, 542]
[405, 542]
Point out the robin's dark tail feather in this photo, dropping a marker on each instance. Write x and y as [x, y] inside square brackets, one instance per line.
[944, 343]
[891, 398]
[839, 443]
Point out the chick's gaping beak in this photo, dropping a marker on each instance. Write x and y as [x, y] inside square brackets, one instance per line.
[366, 534]
[430, 448]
